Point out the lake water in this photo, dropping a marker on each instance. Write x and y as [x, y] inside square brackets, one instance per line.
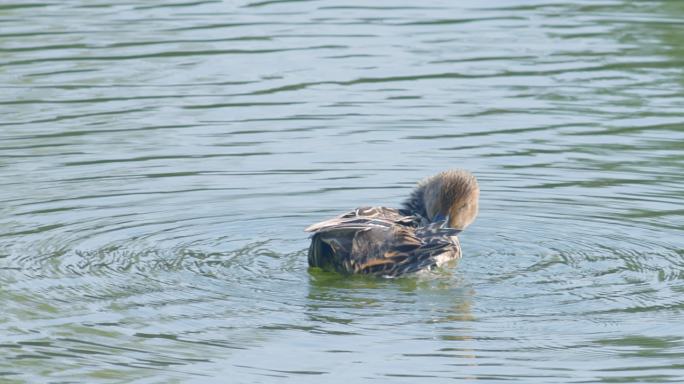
[160, 159]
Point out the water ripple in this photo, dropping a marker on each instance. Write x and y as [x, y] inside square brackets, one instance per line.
[160, 159]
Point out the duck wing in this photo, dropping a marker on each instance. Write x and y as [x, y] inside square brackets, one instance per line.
[379, 241]
[406, 250]
[365, 217]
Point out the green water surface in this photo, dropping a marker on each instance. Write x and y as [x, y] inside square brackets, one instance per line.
[160, 159]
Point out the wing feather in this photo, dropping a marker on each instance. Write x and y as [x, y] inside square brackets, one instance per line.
[379, 241]
[364, 217]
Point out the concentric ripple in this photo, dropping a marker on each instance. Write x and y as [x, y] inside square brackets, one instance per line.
[159, 160]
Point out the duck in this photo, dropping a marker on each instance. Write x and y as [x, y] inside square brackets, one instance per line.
[391, 242]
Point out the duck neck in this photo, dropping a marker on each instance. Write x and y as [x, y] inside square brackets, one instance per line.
[415, 204]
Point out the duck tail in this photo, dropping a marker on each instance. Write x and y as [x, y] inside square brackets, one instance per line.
[319, 252]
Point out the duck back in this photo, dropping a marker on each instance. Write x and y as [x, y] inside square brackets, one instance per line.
[381, 241]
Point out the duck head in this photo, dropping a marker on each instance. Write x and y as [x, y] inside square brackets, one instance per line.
[450, 195]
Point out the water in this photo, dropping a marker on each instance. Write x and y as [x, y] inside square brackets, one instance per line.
[160, 159]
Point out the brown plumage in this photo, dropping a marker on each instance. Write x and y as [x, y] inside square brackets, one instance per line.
[391, 242]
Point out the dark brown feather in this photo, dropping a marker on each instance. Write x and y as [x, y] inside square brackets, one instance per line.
[380, 241]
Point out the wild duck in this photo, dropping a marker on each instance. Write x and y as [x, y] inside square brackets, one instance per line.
[391, 242]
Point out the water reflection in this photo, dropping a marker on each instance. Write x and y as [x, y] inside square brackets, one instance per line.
[397, 311]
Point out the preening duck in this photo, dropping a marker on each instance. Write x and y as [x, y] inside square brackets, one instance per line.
[391, 242]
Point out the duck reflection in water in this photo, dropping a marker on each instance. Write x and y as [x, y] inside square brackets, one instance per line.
[390, 242]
